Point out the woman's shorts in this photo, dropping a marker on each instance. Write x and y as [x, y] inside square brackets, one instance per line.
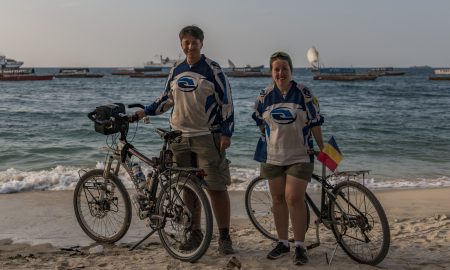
[299, 170]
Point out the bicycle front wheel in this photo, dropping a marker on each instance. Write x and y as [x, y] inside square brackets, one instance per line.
[258, 204]
[102, 206]
[185, 213]
[359, 223]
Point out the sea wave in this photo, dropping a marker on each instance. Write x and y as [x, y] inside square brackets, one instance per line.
[66, 178]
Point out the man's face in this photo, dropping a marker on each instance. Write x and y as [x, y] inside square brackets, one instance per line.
[191, 46]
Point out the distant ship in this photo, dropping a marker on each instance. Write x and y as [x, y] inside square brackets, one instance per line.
[8, 63]
[333, 74]
[162, 63]
[247, 71]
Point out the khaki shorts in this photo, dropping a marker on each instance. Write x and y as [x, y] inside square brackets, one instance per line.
[300, 170]
[204, 152]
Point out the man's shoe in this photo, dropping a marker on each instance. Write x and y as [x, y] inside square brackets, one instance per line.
[300, 256]
[192, 241]
[226, 246]
[278, 251]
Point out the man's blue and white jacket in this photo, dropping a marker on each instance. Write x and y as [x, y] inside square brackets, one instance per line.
[201, 99]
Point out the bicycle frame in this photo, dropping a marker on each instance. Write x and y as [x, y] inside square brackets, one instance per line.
[322, 213]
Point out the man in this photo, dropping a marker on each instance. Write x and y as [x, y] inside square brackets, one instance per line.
[202, 108]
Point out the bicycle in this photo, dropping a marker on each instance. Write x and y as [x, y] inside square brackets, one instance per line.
[172, 199]
[353, 213]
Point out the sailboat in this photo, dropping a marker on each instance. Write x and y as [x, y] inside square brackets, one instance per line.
[247, 71]
[335, 74]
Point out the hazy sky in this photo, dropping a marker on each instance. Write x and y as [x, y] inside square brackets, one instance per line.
[102, 33]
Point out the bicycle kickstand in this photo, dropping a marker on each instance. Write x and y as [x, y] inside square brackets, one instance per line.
[332, 256]
[142, 240]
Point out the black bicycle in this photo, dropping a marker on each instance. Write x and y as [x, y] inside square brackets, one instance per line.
[347, 207]
[171, 198]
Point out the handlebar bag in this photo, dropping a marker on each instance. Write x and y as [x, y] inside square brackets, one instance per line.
[109, 112]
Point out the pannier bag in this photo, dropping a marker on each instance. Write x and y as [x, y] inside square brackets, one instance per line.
[105, 112]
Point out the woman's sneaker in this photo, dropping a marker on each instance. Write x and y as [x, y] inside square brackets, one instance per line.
[278, 251]
[300, 256]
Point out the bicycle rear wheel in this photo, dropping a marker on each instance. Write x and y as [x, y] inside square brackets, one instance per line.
[359, 223]
[102, 207]
[258, 204]
[185, 213]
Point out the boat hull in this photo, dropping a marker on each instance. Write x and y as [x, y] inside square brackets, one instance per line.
[439, 78]
[26, 77]
[248, 74]
[149, 75]
[65, 76]
[345, 77]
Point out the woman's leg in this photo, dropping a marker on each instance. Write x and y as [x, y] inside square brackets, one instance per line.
[295, 200]
[277, 187]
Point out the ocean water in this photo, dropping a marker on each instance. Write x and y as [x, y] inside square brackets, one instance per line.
[398, 127]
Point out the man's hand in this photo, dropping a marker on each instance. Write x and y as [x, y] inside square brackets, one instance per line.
[225, 142]
[140, 113]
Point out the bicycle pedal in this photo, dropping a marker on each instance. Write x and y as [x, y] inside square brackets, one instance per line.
[314, 245]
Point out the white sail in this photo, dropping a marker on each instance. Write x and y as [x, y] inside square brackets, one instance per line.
[231, 64]
[313, 57]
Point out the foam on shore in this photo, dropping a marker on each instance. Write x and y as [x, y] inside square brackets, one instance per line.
[66, 178]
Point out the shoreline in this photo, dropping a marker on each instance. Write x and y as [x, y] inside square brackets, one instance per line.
[36, 225]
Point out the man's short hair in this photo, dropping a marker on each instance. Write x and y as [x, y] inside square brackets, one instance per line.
[192, 30]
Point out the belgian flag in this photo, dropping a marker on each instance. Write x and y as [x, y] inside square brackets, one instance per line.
[330, 155]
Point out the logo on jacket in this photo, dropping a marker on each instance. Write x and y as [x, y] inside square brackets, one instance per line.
[283, 115]
[187, 84]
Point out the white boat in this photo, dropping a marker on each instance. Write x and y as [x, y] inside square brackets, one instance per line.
[247, 68]
[8, 63]
[442, 71]
[162, 63]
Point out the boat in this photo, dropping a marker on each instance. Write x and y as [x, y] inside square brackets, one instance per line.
[150, 75]
[8, 63]
[334, 74]
[77, 73]
[246, 71]
[345, 77]
[124, 72]
[163, 63]
[25, 74]
[386, 71]
[440, 74]
[441, 71]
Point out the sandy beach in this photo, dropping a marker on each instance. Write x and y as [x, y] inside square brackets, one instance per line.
[38, 230]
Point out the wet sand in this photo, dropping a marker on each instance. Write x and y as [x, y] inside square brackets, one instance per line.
[39, 230]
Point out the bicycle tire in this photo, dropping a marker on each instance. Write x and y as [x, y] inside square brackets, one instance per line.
[359, 223]
[102, 219]
[177, 218]
[257, 195]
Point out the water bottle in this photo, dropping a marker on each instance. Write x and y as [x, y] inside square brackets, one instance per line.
[138, 175]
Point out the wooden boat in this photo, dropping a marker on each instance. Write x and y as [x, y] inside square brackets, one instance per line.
[150, 75]
[125, 72]
[439, 78]
[77, 73]
[25, 77]
[236, 73]
[334, 74]
[345, 77]
[386, 71]
[22, 74]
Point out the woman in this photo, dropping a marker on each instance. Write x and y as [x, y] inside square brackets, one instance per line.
[287, 114]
